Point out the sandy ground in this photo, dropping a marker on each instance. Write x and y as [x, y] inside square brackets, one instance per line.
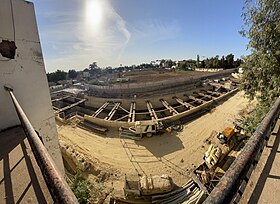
[151, 76]
[174, 153]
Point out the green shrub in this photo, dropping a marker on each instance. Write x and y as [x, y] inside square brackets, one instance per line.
[81, 188]
[252, 121]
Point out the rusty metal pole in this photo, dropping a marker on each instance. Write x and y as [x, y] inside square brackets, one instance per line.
[229, 184]
[58, 187]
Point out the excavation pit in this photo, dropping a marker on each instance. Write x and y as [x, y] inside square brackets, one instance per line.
[211, 106]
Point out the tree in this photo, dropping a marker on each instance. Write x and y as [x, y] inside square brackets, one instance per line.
[197, 61]
[109, 70]
[237, 62]
[93, 65]
[182, 66]
[162, 63]
[209, 62]
[94, 69]
[56, 76]
[223, 64]
[203, 64]
[72, 74]
[168, 63]
[216, 62]
[261, 69]
[229, 61]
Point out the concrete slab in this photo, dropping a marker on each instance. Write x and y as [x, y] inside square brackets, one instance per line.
[21, 180]
[271, 191]
[264, 183]
[275, 168]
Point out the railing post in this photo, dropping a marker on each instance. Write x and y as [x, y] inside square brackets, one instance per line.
[58, 187]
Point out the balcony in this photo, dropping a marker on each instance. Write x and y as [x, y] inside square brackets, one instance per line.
[21, 180]
[28, 173]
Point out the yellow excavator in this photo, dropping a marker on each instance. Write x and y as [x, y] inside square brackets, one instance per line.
[226, 135]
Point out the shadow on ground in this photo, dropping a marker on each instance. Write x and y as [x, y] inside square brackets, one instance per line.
[162, 145]
[20, 177]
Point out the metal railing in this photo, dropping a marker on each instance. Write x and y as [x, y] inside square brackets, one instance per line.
[231, 186]
[58, 187]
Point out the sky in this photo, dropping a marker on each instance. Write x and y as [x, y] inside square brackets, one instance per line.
[75, 33]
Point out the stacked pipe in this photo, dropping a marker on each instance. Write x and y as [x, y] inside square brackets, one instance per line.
[189, 193]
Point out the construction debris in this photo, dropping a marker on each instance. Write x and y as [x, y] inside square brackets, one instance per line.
[189, 193]
[212, 156]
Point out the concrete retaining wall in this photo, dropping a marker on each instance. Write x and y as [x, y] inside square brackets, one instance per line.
[117, 124]
[96, 102]
[159, 87]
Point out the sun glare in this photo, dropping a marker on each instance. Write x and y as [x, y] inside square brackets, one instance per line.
[94, 12]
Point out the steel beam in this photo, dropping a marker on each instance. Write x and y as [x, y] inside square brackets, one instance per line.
[213, 93]
[113, 111]
[124, 109]
[131, 116]
[169, 107]
[196, 99]
[215, 84]
[60, 99]
[122, 118]
[133, 112]
[205, 95]
[55, 108]
[151, 110]
[187, 105]
[71, 106]
[100, 109]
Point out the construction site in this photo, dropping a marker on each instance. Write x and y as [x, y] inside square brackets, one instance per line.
[138, 140]
[164, 132]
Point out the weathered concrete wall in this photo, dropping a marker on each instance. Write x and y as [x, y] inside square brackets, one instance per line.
[26, 75]
[144, 90]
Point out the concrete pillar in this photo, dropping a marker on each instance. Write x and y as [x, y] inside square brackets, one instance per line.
[22, 68]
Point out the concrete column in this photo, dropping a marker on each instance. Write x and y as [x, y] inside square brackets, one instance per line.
[22, 68]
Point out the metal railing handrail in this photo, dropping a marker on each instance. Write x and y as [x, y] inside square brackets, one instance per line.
[57, 185]
[239, 171]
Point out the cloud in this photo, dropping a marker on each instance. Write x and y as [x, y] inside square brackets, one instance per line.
[74, 37]
[154, 30]
[121, 25]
